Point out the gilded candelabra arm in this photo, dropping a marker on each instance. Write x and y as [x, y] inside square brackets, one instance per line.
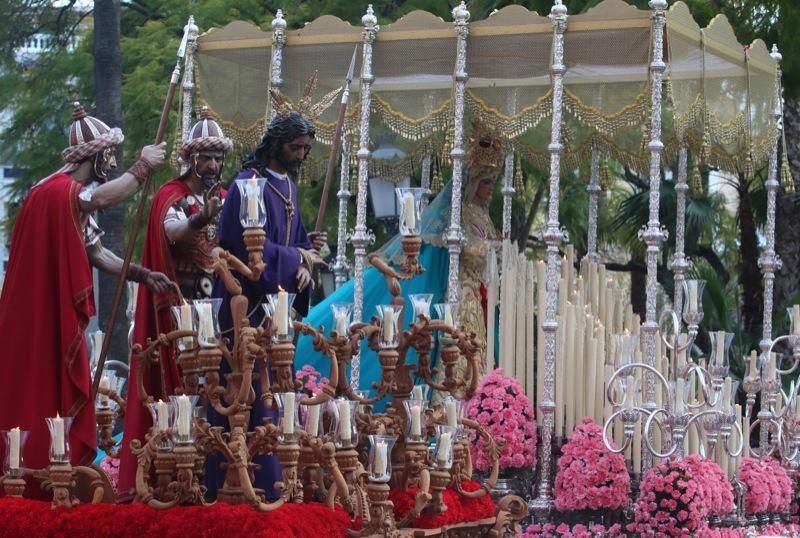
[421, 499]
[144, 457]
[223, 261]
[113, 395]
[492, 448]
[328, 455]
[264, 441]
[266, 397]
[322, 345]
[97, 483]
[392, 276]
[679, 426]
[149, 355]
[511, 509]
[629, 418]
[254, 239]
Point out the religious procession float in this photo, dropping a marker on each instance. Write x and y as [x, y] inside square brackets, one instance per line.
[595, 423]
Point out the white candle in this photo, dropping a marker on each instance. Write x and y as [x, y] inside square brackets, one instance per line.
[629, 390]
[282, 313]
[725, 403]
[410, 213]
[444, 448]
[754, 365]
[416, 420]
[252, 200]
[184, 415]
[104, 385]
[797, 408]
[452, 413]
[388, 324]
[448, 315]
[205, 322]
[680, 407]
[380, 458]
[313, 420]
[58, 441]
[186, 322]
[341, 323]
[637, 448]
[692, 285]
[344, 420]
[746, 435]
[13, 451]
[162, 416]
[719, 347]
[796, 320]
[288, 413]
[416, 392]
[733, 462]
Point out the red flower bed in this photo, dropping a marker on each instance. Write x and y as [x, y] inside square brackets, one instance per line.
[459, 509]
[22, 517]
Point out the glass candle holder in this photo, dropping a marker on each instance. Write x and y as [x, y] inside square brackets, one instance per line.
[410, 200]
[448, 313]
[108, 383]
[693, 301]
[421, 305]
[330, 420]
[794, 320]
[160, 412]
[380, 457]
[365, 394]
[415, 425]
[313, 419]
[288, 416]
[389, 316]
[206, 316]
[445, 438]
[453, 410]
[279, 308]
[59, 438]
[678, 393]
[185, 321]
[14, 462]
[182, 415]
[420, 393]
[342, 318]
[625, 345]
[346, 433]
[252, 210]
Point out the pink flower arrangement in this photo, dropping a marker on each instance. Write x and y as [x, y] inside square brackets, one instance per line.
[312, 381]
[714, 481]
[671, 502]
[110, 466]
[551, 530]
[500, 405]
[589, 475]
[769, 488]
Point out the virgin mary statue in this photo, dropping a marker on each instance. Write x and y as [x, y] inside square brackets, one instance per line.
[484, 158]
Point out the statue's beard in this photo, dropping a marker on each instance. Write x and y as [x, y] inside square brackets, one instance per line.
[291, 166]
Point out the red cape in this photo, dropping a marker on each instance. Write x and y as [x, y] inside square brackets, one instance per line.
[45, 306]
[153, 316]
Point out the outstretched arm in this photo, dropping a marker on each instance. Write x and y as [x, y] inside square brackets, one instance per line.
[110, 263]
[117, 190]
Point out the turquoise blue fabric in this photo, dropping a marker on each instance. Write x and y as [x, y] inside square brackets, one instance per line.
[101, 454]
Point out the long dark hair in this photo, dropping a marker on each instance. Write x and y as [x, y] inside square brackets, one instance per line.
[281, 130]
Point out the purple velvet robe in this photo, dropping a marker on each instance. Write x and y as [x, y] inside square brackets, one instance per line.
[282, 262]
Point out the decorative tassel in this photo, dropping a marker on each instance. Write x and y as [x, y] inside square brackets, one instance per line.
[696, 181]
[748, 170]
[787, 181]
[519, 180]
[605, 175]
[436, 183]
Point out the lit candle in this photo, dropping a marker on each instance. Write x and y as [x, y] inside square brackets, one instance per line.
[162, 416]
[452, 413]
[444, 448]
[58, 441]
[252, 200]
[416, 393]
[184, 415]
[344, 420]
[288, 413]
[103, 388]
[448, 315]
[13, 451]
[380, 458]
[410, 213]
[416, 421]
[282, 313]
[796, 320]
[388, 324]
[629, 390]
[341, 323]
[313, 420]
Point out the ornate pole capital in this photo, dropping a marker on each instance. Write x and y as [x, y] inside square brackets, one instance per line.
[370, 23]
